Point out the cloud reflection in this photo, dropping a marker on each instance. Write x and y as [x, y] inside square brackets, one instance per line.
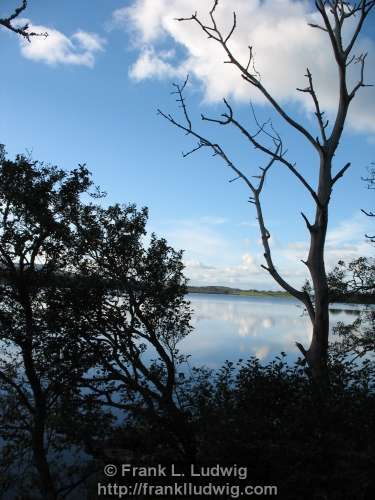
[233, 327]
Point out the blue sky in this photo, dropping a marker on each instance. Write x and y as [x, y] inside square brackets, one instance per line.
[89, 94]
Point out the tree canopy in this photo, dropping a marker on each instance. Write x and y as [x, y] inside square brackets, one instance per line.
[81, 295]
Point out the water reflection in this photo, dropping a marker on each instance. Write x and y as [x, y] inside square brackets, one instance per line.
[233, 327]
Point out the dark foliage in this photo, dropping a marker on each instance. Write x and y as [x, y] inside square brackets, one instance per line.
[271, 419]
[83, 302]
[41, 358]
[90, 371]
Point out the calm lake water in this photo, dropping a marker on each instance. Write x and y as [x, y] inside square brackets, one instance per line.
[232, 327]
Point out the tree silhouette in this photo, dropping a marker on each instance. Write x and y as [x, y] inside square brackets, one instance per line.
[90, 320]
[139, 316]
[41, 359]
[335, 16]
[10, 23]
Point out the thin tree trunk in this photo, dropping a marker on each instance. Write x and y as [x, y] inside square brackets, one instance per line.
[333, 23]
[317, 353]
[46, 486]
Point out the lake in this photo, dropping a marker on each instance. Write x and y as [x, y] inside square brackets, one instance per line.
[233, 326]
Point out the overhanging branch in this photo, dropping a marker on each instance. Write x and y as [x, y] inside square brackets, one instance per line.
[8, 23]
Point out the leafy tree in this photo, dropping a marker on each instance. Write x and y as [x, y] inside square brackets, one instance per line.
[138, 316]
[335, 17]
[90, 320]
[356, 282]
[41, 360]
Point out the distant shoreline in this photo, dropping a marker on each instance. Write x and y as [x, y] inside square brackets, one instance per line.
[226, 290]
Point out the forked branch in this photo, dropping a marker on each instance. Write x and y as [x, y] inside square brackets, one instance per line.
[228, 118]
[22, 30]
[256, 190]
[334, 14]
[318, 113]
[252, 77]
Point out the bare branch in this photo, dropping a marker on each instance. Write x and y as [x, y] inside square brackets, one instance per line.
[229, 119]
[335, 43]
[200, 146]
[340, 173]
[203, 142]
[181, 100]
[235, 179]
[308, 224]
[253, 78]
[256, 190]
[369, 214]
[341, 11]
[298, 294]
[361, 60]
[232, 29]
[364, 7]
[317, 26]
[7, 22]
[318, 113]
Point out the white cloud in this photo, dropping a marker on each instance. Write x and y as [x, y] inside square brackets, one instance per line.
[213, 258]
[283, 42]
[148, 17]
[345, 242]
[210, 256]
[349, 230]
[153, 65]
[201, 240]
[244, 272]
[89, 41]
[79, 50]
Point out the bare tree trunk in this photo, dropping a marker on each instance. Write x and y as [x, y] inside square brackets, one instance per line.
[333, 16]
[316, 355]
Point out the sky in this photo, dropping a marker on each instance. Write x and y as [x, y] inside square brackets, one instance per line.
[90, 91]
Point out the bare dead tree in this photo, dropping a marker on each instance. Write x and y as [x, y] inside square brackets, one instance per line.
[22, 30]
[334, 17]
